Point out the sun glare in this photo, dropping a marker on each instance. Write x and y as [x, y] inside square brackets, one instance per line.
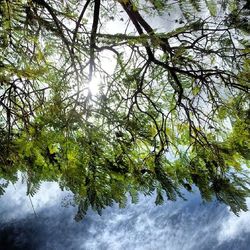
[94, 85]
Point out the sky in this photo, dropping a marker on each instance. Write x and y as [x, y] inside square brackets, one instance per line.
[190, 224]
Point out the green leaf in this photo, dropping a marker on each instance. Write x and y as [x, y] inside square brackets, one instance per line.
[212, 7]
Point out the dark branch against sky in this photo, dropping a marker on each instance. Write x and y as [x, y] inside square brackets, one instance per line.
[171, 114]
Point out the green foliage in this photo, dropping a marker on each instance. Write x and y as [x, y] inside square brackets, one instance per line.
[212, 7]
[173, 112]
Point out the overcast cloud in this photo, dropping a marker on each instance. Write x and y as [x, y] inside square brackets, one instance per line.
[177, 225]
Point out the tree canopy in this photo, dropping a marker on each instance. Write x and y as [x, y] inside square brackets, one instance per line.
[126, 96]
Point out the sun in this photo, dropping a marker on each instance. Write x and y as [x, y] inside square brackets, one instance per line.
[94, 85]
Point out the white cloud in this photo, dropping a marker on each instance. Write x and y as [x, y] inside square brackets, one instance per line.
[233, 227]
[145, 226]
[15, 204]
[187, 225]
